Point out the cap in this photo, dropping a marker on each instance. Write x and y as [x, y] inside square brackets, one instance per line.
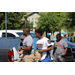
[22, 37]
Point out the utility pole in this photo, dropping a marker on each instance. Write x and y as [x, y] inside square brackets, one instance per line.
[6, 26]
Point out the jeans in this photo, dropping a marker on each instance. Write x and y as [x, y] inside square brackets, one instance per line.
[58, 58]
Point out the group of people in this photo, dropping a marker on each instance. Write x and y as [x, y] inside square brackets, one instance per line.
[43, 45]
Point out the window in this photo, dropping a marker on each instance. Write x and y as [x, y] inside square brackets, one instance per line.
[8, 35]
[20, 33]
[33, 20]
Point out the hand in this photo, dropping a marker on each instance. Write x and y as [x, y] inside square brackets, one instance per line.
[63, 55]
[34, 54]
[40, 51]
[19, 49]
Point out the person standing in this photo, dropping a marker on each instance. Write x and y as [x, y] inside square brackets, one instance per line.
[70, 37]
[43, 44]
[65, 38]
[27, 43]
[60, 48]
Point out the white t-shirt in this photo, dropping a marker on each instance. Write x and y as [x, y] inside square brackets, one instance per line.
[43, 44]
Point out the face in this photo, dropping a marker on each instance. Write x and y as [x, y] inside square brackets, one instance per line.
[36, 35]
[21, 40]
[24, 32]
[58, 38]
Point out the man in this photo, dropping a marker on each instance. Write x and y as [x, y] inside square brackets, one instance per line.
[43, 44]
[65, 38]
[27, 43]
[60, 47]
[69, 38]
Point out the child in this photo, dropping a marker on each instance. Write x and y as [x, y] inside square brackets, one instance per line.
[43, 44]
[60, 47]
[19, 46]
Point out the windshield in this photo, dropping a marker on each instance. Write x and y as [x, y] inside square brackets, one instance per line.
[32, 34]
[20, 33]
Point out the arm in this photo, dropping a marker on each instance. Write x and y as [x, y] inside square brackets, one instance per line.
[25, 48]
[64, 52]
[29, 43]
[44, 50]
[54, 47]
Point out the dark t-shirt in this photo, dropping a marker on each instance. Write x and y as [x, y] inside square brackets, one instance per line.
[20, 45]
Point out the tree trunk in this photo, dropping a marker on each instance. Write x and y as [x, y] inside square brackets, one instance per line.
[59, 31]
[52, 32]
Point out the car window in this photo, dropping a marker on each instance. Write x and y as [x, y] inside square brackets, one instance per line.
[8, 35]
[32, 34]
[20, 33]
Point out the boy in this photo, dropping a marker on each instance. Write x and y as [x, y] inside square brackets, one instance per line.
[60, 48]
[21, 45]
[43, 44]
[65, 38]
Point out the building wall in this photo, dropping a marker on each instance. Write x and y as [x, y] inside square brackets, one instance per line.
[33, 18]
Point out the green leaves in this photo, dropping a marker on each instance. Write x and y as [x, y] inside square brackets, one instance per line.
[14, 20]
[50, 21]
[70, 21]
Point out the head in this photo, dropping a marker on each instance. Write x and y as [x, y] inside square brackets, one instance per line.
[58, 37]
[64, 36]
[22, 38]
[38, 33]
[26, 30]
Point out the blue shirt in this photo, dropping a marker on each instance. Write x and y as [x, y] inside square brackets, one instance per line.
[35, 40]
[65, 39]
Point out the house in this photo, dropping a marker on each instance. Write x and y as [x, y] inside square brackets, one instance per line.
[33, 18]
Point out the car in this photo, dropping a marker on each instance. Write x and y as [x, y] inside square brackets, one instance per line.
[7, 54]
[14, 33]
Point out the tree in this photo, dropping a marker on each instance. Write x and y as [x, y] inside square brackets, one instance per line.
[14, 20]
[51, 21]
[70, 21]
[27, 23]
[2, 20]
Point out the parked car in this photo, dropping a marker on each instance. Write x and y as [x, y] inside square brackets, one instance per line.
[14, 33]
[10, 53]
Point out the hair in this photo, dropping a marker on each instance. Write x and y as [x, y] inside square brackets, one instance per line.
[64, 35]
[39, 31]
[58, 35]
[27, 28]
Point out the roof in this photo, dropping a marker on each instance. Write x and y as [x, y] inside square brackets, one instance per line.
[29, 13]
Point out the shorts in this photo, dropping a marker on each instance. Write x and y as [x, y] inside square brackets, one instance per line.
[58, 58]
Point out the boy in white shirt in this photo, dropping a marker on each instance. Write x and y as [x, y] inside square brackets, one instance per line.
[43, 44]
